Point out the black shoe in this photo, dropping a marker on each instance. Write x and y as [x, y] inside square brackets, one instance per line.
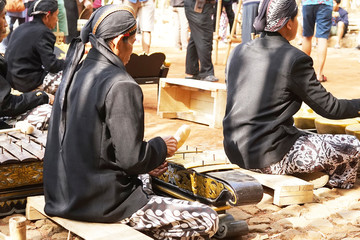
[210, 78]
[358, 47]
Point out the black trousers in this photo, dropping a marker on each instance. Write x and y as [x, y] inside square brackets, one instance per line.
[201, 38]
[229, 13]
[72, 16]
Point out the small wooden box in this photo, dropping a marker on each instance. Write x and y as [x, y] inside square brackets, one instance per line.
[193, 100]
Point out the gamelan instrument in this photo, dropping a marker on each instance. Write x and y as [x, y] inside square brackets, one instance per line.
[21, 168]
[210, 179]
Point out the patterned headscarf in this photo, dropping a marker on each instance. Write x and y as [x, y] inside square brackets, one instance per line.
[274, 14]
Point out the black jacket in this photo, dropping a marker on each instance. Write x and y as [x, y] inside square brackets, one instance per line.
[90, 173]
[30, 55]
[267, 81]
[11, 105]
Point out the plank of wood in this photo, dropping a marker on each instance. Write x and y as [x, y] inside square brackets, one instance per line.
[287, 189]
[194, 84]
[204, 169]
[86, 230]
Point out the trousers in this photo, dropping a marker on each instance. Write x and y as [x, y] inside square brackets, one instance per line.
[198, 54]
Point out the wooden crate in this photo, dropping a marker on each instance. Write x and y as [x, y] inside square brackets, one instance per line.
[87, 230]
[193, 100]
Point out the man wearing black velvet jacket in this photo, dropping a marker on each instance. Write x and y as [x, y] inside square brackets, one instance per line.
[267, 81]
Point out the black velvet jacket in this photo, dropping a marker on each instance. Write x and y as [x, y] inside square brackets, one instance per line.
[90, 171]
[267, 81]
[30, 56]
[11, 105]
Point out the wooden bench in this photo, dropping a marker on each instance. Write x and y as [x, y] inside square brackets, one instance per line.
[89, 231]
[193, 100]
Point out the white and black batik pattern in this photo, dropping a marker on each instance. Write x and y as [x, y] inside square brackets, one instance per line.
[169, 218]
[51, 82]
[337, 155]
[38, 117]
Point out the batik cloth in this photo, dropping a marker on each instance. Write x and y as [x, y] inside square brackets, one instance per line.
[38, 117]
[51, 82]
[337, 155]
[169, 218]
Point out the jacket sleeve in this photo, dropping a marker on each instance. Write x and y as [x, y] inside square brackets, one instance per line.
[125, 120]
[306, 86]
[45, 48]
[11, 105]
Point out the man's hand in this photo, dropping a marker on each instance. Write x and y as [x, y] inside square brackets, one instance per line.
[159, 170]
[171, 144]
[51, 98]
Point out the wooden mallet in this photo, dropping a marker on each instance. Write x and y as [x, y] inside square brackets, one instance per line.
[22, 126]
[182, 134]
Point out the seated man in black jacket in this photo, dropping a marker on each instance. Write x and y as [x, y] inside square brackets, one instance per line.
[30, 52]
[95, 148]
[267, 81]
[11, 105]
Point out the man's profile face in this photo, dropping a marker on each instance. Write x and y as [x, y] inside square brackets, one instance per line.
[126, 48]
[51, 19]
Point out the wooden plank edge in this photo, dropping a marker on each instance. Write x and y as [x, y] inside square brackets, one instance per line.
[37, 203]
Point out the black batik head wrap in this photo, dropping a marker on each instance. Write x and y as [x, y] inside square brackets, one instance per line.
[2, 5]
[42, 7]
[105, 23]
[274, 14]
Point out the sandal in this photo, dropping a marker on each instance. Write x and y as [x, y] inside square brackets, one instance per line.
[323, 78]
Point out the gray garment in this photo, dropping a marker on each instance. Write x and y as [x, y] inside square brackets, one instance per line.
[250, 11]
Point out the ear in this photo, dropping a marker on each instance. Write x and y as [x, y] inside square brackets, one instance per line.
[118, 40]
[290, 24]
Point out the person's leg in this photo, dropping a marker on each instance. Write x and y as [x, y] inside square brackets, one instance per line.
[340, 33]
[177, 28]
[184, 26]
[250, 11]
[337, 155]
[169, 218]
[202, 33]
[308, 27]
[321, 58]
[192, 59]
[146, 41]
[147, 20]
[230, 14]
[323, 27]
[72, 16]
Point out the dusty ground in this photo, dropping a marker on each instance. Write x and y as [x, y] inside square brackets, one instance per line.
[333, 215]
